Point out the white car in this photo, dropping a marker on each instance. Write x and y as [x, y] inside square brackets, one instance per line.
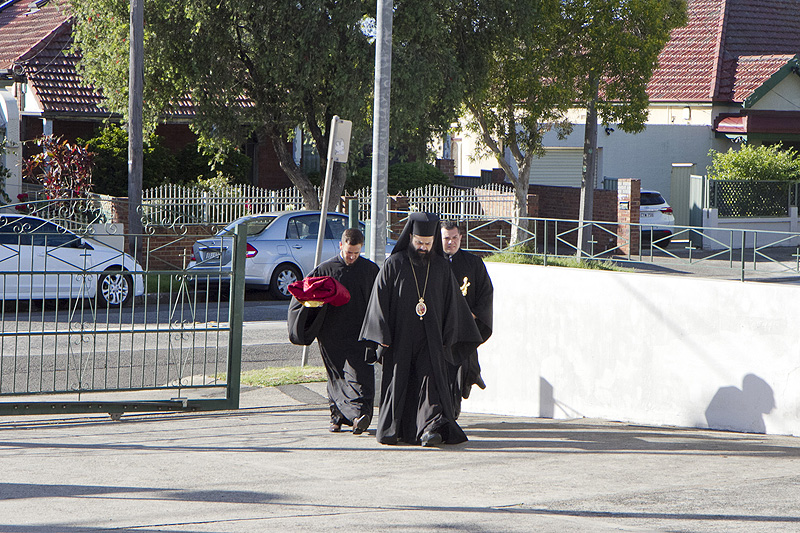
[42, 260]
[656, 218]
[280, 248]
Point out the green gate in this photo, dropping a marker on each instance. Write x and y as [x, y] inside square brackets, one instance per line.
[67, 346]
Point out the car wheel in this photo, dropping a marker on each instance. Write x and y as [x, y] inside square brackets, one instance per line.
[115, 288]
[282, 277]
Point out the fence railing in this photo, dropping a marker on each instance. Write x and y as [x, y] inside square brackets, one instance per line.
[740, 198]
[176, 204]
[86, 328]
[171, 205]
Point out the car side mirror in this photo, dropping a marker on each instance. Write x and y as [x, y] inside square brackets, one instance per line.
[82, 245]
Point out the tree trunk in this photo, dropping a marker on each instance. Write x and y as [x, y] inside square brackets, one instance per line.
[584, 246]
[295, 174]
[519, 179]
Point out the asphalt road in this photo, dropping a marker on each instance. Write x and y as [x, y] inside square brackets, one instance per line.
[51, 347]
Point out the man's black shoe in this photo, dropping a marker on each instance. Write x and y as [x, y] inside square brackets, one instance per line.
[430, 438]
[334, 427]
[361, 424]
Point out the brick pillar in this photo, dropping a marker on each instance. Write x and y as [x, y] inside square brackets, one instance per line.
[448, 167]
[628, 201]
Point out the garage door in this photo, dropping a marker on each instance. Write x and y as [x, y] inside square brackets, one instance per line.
[559, 166]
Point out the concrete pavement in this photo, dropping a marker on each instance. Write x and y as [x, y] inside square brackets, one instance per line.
[273, 466]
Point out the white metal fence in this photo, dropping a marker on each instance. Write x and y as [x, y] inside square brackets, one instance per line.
[176, 204]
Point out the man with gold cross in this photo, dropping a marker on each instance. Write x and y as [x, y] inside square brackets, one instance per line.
[476, 286]
[419, 322]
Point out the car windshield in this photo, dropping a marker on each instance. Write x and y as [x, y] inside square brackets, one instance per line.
[652, 198]
[254, 227]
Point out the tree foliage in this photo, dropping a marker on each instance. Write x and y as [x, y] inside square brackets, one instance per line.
[615, 48]
[530, 62]
[160, 166]
[755, 163]
[263, 68]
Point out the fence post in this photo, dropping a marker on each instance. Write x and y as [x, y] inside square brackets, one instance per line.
[236, 316]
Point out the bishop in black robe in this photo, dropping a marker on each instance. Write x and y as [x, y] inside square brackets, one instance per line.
[351, 380]
[416, 315]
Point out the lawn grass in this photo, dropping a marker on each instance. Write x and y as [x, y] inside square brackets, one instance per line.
[282, 375]
[523, 255]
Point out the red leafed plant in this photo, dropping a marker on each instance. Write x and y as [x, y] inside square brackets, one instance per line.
[62, 168]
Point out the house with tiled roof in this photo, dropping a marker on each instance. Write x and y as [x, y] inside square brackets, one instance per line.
[731, 75]
[42, 91]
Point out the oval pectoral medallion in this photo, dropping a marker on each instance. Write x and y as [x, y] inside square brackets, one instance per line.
[421, 308]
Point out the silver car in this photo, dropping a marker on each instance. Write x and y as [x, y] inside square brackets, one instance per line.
[42, 260]
[280, 248]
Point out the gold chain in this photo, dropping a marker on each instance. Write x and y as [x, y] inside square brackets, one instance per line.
[424, 288]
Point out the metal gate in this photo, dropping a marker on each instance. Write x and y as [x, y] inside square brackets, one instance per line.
[86, 328]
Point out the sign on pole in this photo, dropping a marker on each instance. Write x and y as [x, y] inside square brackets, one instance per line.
[338, 150]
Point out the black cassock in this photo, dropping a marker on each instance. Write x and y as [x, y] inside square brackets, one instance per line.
[351, 380]
[472, 278]
[415, 389]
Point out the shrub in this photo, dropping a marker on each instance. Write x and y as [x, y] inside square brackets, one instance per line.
[407, 176]
[4, 175]
[63, 169]
[160, 166]
[195, 165]
[110, 146]
[756, 163]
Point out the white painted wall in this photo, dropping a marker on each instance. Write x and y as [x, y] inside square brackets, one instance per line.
[785, 96]
[648, 155]
[642, 348]
[11, 153]
[722, 233]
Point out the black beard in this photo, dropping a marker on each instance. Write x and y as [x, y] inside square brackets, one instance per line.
[417, 257]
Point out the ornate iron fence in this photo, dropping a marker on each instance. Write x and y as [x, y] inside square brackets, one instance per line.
[85, 327]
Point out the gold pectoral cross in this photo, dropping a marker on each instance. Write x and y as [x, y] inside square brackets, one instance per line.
[465, 285]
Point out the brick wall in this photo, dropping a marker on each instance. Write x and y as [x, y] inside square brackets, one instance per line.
[448, 167]
[564, 203]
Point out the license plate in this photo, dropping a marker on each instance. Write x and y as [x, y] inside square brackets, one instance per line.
[211, 254]
[645, 215]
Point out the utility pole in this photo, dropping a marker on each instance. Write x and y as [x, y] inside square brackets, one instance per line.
[380, 131]
[135, 140]
[589, 170]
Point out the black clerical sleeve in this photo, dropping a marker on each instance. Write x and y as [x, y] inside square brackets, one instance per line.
[472, 277]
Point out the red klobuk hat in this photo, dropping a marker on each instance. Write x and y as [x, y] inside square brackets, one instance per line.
[319, 290]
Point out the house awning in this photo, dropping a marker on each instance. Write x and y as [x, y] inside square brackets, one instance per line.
[761, 125]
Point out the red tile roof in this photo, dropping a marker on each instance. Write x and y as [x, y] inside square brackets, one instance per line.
[21, 31]
[53, 76]
[727, 50]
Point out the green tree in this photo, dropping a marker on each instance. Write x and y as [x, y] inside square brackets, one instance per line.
[264, 68]
[520, 82]
[611, 81]
[530, 62]
[755, 163]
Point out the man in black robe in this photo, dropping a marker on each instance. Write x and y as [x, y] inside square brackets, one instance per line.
[351, 380]
[476, 286]
[416, 314]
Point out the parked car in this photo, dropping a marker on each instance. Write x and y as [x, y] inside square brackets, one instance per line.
[656, 217]
[41, 260]
[280, 248]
